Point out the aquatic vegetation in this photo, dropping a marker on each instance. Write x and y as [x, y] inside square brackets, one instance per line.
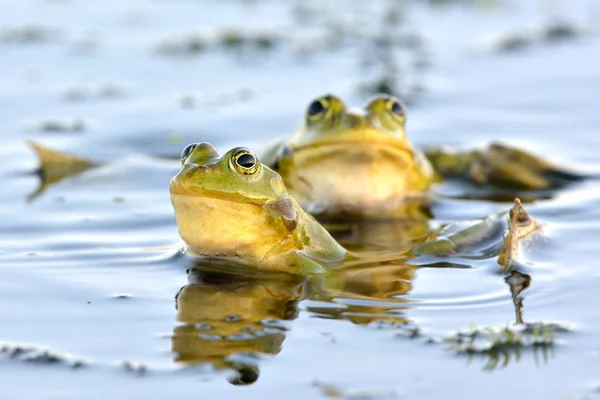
[66, 125]
[500, 344]
[550, 32]
[135, 367]
[29, 34]
[232, 40]
[37, 355]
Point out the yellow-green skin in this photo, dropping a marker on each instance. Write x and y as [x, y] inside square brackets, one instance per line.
[246, 216]
[352, 161]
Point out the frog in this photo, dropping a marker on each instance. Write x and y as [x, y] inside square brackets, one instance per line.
[232, 208]
[357, 162]
[233, 212]
[361, 162]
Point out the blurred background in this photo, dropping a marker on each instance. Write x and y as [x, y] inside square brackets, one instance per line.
[155, 75]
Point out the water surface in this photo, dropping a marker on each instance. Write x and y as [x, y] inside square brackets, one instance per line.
[88, 269]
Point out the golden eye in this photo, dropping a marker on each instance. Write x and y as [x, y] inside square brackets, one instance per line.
[317, 109]
[187, 151]
[396, 108]
[244, 162]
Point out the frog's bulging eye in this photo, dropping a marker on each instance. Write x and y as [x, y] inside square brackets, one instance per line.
[317, 108]
[244, 162]
[187, 151]
[396, 108]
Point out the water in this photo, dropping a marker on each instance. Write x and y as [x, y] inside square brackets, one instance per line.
[88, 268]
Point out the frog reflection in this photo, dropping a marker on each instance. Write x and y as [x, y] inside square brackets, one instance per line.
[228, 315]
[396, 234]
[364, 294]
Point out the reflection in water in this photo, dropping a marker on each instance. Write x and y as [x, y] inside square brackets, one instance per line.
[502, 358]
[363, 294]
[501, 345]
[400, 233]
[517, 283]
[228, 315]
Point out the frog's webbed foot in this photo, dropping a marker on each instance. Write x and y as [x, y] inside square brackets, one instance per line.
[501, 166]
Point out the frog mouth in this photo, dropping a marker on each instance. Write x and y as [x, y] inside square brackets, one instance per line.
[355, 151]
[370, 142]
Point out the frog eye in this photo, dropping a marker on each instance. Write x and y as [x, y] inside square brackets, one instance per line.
[317, 109]
[244, 162]
[396, 108]
[187, 151]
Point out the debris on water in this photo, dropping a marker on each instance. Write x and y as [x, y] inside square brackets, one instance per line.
[55, 166]
[231, 39]
[187, 101]
[135, 367]
[33, 354]
[548, 33]
[562, 30]
[521, 226]
[65, 125]
[29, 34]
[89, 91]
[123, 296]
[412, 332]
[118, 199]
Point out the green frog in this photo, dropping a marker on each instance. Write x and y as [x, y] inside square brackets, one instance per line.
[352, 161]
[361, 162]
[233, 210]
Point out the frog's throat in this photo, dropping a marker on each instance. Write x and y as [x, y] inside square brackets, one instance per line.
[230, 228]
